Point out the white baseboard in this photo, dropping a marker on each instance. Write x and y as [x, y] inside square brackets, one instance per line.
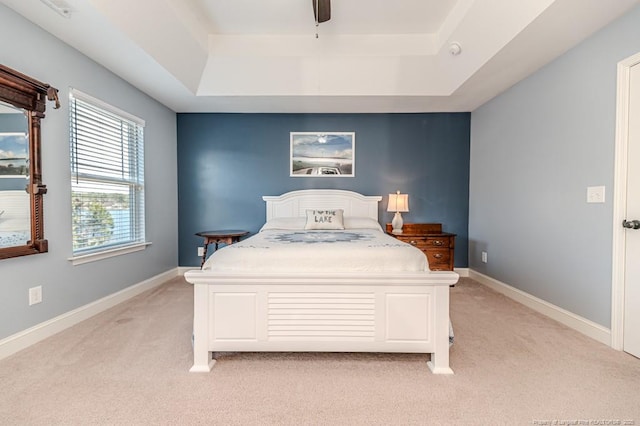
[463, 272]
[33, 335]
[183, 269]
[571, 320]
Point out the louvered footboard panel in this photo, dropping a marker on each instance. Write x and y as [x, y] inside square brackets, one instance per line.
[321, 317]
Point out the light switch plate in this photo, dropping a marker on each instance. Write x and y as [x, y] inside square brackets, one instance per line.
[595, 194]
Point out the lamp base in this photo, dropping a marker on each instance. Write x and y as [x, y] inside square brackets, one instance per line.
[397, 223]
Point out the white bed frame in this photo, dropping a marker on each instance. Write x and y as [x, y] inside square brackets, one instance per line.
[328, 312]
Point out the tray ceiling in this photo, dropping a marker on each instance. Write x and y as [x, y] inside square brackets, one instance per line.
[372, 56]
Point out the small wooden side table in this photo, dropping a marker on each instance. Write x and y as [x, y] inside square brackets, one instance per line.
[227, 236]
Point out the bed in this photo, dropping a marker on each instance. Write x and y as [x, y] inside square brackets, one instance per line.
[313, 300]
[14, 218]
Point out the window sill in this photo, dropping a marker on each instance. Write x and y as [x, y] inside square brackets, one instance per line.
[93, 257]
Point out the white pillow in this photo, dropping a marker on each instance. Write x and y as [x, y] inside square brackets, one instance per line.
[286, 223]
[361, 222]
[325, 219]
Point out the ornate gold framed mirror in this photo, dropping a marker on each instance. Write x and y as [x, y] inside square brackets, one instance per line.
[22, 106]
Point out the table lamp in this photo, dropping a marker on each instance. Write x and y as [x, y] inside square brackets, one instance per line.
[398, 203]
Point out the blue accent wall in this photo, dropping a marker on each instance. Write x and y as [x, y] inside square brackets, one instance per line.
[12, 123]
[227, 162]
[12, 184]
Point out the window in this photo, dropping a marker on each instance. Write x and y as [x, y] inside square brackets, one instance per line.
[107, 176]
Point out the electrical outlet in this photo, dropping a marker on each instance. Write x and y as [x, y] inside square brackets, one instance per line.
[200, 251]
[35, 295]
[484, 257]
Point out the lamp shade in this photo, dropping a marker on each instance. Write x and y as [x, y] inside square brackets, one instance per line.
[398, 202]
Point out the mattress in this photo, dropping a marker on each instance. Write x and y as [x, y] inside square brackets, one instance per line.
[295, 250]
[13, 238]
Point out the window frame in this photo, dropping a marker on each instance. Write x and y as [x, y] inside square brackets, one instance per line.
[84, 255]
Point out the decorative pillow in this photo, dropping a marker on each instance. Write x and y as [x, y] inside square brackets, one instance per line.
[361, 222]
[286, 223]
[324, 219]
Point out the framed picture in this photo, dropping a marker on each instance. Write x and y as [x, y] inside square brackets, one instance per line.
[14, 149]
[323, 154]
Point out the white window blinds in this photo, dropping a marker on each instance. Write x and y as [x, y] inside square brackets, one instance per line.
[107, 176]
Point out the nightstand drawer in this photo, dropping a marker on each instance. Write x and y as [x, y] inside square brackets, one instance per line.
[420, 242]
[437, 242]
[439, 259]
[425, 242]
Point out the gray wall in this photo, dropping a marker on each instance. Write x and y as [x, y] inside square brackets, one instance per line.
[30, 50]
[534, 151]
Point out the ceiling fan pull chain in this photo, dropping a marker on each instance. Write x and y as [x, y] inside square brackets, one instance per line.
[316, 11]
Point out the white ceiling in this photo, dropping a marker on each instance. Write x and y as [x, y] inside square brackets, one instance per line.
[372, 56]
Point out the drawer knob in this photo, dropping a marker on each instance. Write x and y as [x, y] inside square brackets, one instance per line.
[413, 242]
[438, 243]
[438, 255]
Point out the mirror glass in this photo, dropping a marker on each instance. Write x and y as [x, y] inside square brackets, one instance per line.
[15, 211]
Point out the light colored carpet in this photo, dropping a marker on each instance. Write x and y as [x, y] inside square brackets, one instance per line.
[129, 366]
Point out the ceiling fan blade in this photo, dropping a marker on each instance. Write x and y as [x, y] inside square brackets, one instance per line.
[321, 10]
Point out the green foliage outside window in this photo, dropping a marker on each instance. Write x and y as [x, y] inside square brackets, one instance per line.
[92, 223]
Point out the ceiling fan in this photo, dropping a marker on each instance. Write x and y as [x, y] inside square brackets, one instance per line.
[321, 12]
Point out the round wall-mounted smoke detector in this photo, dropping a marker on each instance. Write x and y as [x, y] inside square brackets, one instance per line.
[455, 49]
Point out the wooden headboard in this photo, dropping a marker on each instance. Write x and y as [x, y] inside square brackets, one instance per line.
[296, 203]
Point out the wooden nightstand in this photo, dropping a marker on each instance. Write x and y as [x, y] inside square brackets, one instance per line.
[438, 246]
[219, 237]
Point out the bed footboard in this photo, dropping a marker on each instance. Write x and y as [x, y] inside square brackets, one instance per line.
[407, 312]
